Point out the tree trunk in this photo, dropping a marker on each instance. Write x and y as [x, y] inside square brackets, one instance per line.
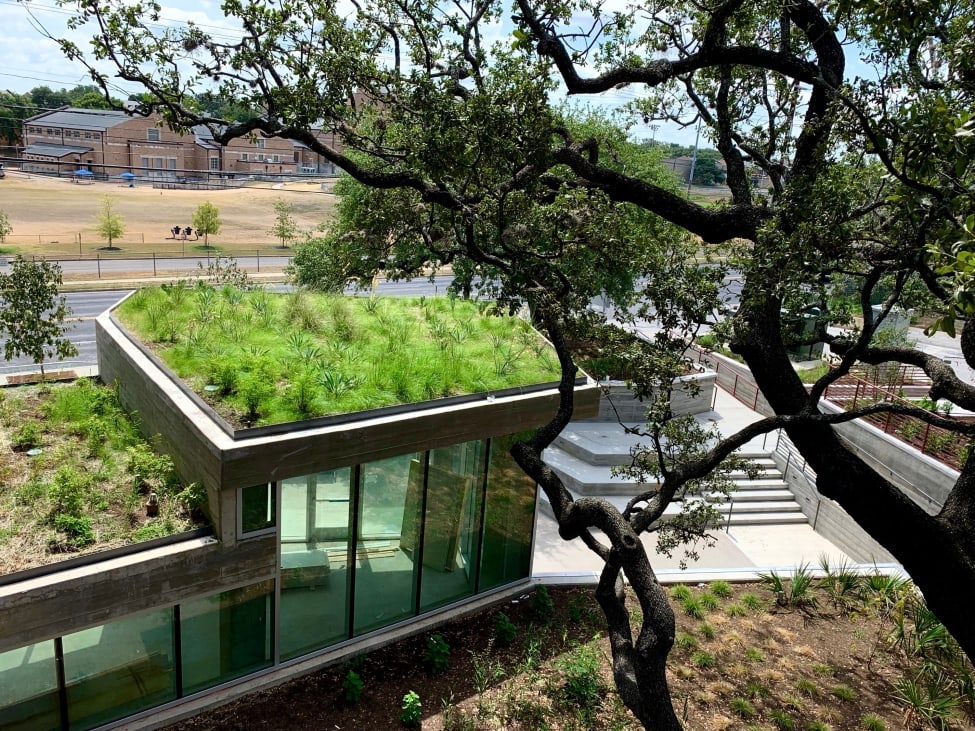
[937, 551]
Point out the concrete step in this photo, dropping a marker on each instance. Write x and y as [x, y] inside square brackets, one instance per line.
[767, 518]
[758, 496]
[765, 506]
[769, 484]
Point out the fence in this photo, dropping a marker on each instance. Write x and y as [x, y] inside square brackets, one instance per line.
[111, 266]
[850, 392]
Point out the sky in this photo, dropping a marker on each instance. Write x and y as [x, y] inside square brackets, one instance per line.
[31, 59]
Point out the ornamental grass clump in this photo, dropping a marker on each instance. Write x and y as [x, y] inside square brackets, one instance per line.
[328, 354]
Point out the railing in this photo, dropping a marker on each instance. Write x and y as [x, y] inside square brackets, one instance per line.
[735, 379]
[850, 393]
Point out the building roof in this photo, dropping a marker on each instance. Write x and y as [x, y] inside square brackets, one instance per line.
[49, 149]
[94, 119]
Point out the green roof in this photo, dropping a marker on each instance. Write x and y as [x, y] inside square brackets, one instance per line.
[261, 358]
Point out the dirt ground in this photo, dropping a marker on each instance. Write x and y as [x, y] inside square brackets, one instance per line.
[772, 668]
[50, 215]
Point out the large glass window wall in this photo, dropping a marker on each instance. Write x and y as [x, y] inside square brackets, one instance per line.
[360, 549]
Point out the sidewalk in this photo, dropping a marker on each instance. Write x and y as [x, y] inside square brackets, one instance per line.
[738, 554]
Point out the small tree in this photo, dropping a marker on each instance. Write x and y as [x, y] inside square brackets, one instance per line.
[285, 228]
[5, 227]
[206, 219]
[32, 313]
[110, 223]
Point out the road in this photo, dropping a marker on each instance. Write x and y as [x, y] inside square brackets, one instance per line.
[109, 267]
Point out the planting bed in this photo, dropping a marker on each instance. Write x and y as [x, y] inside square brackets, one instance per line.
[75, 476]
[742, 662]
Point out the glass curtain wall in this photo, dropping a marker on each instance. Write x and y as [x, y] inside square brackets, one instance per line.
[29, 689]
[226, 635]
[408, 534]
[509, 519]
[315, 539]
[388, 511]
[120, 668]
[451, 525]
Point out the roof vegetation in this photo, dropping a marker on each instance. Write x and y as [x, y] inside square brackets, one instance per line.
[263, 358]
[78, 476]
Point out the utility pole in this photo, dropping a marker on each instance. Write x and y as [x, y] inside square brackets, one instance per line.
[697, 138]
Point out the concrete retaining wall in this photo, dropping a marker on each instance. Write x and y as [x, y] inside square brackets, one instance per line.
[693, 394]
[830, 520]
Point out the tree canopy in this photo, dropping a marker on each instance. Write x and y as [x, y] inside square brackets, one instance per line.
[856, 111]
[32, 313]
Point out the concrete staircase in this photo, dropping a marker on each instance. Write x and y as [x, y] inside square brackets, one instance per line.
[586, 452]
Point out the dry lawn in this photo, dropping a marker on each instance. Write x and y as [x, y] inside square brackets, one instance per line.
[49, 215]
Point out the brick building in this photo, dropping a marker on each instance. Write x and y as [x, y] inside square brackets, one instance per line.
[108, 143]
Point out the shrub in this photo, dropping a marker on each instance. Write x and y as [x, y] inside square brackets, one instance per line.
[412, 709]
[735, 610]
[150, 471]
[818, 726]
[581, 672]
[67, 492]
[679, 593]
[77, 529]
[436, 655]
[504, 629]
[707, 631]
[541, 604]
[352, 687]
[28, 436]
[685, 641]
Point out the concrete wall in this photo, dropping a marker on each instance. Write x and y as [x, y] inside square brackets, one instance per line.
[693, 394]
[924, 479]
[830, 520]
[74, 599]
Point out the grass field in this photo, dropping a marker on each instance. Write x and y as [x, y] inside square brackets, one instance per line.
[52, 216]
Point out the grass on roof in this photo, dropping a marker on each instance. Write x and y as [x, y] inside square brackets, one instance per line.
[264, 358]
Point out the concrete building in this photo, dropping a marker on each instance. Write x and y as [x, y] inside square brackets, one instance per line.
[328, 535]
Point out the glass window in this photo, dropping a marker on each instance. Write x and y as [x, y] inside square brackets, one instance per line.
[152, 134]
[315, 540]
[87, 135]
[243, 157]
[214, 163]
[388, 528]
[260, 144]
[119, 668]
[455, 478]
[29, 689]
[226, 635]
[97, 136]
[509, 517]
[258, 511]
